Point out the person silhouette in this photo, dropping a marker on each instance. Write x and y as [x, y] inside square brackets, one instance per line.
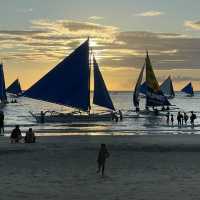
[185, 116]
[167, 116]
[101, 159]
[42, 114]
[1, 122]
[182, 119]
[192, 118]
[30, 136]
[172, 119]
[120, 115]
[179, 119]
[16, 135]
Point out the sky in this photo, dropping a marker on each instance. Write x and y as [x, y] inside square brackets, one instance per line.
[35, 35]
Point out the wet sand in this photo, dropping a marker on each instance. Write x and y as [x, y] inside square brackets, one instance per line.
[64, 167]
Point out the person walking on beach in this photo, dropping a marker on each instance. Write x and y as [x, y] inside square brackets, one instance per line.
[16, 135]
[185, 117]
[172, 119]
[179, 119]
[192, 118]
[101, 160]
[167, 116]
[1, 122]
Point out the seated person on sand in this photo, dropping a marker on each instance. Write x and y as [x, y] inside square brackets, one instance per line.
[16, 135]
[30, 136]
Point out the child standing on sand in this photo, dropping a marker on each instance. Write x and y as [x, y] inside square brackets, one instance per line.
[102, 156]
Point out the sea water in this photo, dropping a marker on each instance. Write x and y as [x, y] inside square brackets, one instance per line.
[131, 124]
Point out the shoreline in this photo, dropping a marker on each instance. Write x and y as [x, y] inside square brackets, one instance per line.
[135, 143]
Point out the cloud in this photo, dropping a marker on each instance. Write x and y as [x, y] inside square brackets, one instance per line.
[28, 10]
[49, 37]
[75, 28]
[48, 42]
[195, 25]
[54, 40]
[151, 13]
[95, 18]
[161, 48]
[185, 78]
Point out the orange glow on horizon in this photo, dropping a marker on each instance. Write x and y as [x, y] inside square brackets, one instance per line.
[116, 79]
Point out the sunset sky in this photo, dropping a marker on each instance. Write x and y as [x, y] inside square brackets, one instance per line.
[35, 35]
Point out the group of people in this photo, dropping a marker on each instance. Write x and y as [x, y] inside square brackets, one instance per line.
[16, 136]
[182, 118]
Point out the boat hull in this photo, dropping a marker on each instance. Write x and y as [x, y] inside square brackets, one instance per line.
[2, 105]
[70, 118]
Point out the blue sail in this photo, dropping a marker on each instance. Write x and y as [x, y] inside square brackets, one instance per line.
[3, 96]
[143, 88]
[101, 95]
[154, 96]
[14, 88]
[67, 83]
[188, 89]
[167, 87]
[138, 88]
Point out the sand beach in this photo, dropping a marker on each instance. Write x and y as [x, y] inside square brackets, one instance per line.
[80, 75]
[64, 167]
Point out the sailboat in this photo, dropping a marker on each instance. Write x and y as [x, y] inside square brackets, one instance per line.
[188, 89]
[15, 88]
[3, 96]
[167, 88]
[68, 84]
[154, 95]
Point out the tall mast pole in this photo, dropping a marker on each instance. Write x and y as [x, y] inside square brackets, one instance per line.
[90, 63]
[146, 76]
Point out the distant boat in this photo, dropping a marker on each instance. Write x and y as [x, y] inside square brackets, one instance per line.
[3, 96]
[15, 88]
[154, 95]
[68, 84]
[188, 89]
[167, 88]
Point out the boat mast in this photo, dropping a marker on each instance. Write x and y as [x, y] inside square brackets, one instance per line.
[2, 84]
[90, 63]
[146, 107]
